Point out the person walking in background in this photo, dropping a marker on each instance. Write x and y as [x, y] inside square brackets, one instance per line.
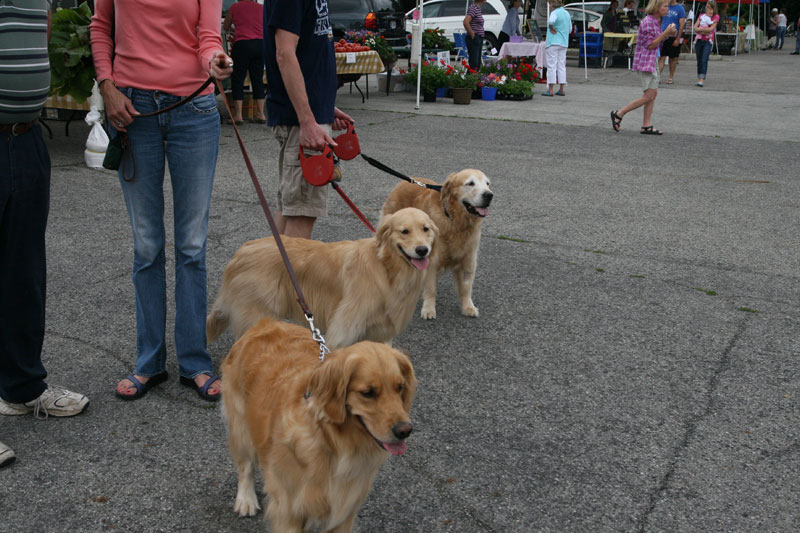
[247, 18]
[781, 33]
[704, 28]
[165, 54]
[511, 24]
[671, 48]
[473, 23]
[797, 39]
[24, 208]
[558, 28]
[645, 58]
[301, 69]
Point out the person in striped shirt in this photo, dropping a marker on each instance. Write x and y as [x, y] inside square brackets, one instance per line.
[24, 206]
[645, 60]
[473, 23]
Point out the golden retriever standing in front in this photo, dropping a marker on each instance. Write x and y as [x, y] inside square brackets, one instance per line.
[320, 431]
[357, 290]
[458, 210]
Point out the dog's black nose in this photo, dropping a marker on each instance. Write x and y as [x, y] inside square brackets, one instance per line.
[487, 198]
[402, 430]
[422, 251]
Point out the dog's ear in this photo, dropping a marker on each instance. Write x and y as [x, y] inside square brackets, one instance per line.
[448, 193]
[407, 370]
[435, 229]
[384, 228]
[328, 388]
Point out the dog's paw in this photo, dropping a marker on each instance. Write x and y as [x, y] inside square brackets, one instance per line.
[428, 312]
[469, 310]
[246, 504]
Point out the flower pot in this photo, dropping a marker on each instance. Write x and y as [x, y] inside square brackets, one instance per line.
[488, 93]
[429, 96]
[441, 92]
[461, 95]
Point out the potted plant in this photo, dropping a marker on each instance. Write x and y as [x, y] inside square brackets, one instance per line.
[515, 90]
[463, 81]
[435, 39]
[71, 66]
[431, 78]
[489, 84]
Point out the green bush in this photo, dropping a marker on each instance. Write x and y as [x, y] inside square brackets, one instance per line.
[71, 66]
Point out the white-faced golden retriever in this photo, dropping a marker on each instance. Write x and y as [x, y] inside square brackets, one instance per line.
[356, 290]
[319, 431]
[458, 210]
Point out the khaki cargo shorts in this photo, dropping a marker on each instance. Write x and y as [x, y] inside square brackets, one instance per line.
[297, 197]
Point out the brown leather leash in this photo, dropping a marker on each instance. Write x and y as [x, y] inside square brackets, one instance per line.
[315, 333]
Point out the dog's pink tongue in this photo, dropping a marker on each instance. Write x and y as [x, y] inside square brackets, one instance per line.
[482, 211]
[396, 448]
[421, 264]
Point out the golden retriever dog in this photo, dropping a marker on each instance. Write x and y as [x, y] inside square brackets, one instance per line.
[458, 210]
[357, 290]
[319, 431]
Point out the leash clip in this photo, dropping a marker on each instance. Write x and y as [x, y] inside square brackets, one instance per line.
[417, 183]
[317, 336]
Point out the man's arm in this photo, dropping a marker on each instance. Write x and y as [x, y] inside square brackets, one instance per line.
[681, 25]
[311, 134]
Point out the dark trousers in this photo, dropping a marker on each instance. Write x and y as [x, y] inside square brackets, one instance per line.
[24, 206]
[474, 49]
[502, 38]
[248, 56]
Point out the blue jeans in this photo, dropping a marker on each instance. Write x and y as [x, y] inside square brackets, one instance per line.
[188, 138]
[24, 206]
[475, 50]
[702, 49]
[779, 38]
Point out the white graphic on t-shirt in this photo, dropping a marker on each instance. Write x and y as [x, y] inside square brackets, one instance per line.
[323, 26]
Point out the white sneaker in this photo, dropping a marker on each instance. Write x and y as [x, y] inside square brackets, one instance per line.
[6, 455]
[54, 401]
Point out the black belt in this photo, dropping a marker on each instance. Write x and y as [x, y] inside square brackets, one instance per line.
[18, 128]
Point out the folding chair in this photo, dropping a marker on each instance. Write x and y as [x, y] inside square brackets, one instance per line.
[460, 38]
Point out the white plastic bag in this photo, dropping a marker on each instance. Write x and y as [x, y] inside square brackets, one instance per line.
[97, 142]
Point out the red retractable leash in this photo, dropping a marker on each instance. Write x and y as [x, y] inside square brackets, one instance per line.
[320, 169]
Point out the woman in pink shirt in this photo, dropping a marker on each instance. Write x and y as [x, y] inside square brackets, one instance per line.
[149, 54]
[247, 18]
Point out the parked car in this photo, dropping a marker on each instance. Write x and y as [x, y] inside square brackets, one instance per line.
[448, 15]
[384, 17]
[592, 21]
[599, 7]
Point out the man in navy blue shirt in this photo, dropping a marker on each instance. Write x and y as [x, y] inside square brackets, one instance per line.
[671, 47]
[301, 76]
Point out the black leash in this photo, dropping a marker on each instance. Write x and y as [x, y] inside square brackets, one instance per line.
[381, 166]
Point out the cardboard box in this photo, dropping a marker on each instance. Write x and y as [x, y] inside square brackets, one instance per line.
[398, 84]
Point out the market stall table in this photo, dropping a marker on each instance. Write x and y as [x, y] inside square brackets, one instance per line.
[55, 102]
[525, 49]
[351, 65]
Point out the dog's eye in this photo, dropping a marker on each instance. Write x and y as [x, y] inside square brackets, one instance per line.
[469, 184]
[425, 228]
[400, 388]
[368, 393]
[404, 231]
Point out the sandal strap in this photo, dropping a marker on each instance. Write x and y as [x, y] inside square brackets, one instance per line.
[212, 379]
[136, 383]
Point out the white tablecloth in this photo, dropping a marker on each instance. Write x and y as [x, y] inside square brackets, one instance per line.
[525, 49]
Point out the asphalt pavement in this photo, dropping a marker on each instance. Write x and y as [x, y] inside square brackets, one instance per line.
[635, 365]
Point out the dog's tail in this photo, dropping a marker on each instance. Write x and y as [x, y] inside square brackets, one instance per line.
[218, 319]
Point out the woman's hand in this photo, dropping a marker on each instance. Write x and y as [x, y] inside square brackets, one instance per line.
[220, 66]
[119, 108]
